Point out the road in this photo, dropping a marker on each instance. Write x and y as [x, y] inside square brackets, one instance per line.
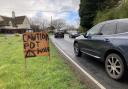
[89, 64]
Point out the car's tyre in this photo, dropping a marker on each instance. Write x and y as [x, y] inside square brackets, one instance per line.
[115, 66]
[62, 36]
[77, 51]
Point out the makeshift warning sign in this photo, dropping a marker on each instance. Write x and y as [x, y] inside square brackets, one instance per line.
[36, 44]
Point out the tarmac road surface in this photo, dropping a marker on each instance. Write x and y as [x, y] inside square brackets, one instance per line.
[89, 64]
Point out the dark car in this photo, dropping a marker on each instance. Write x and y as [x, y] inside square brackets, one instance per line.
[73, 34]
[108, 42]
[59, 34]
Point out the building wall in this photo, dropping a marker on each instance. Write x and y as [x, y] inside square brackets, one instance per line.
[25, 25]
[1, 19]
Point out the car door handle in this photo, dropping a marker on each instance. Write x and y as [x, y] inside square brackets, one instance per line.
[107, 40]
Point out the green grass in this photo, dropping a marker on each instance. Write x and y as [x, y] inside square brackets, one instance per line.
[40, 73]
[2, 35]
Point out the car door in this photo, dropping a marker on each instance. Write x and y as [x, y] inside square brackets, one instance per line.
[99, 43]
[86, 44]
[96, 42]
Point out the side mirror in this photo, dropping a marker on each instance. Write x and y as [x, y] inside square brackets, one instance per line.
[85, 35]
[88, 36]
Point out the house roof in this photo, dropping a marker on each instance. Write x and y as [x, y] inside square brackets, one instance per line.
[15, 21]
[5, 21]
[19, 20]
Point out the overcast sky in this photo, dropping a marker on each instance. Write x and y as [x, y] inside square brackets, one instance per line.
[63, 9]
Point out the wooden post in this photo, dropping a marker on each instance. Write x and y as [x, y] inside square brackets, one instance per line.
[25, 60]
[25, 63]
[49, 58]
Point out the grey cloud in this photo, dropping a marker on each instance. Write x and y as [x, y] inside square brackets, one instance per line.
[32, 7]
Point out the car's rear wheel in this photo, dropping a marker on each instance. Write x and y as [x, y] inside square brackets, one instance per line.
[115, 66]
[77, 50]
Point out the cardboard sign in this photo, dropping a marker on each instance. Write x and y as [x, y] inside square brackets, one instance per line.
[36, 44]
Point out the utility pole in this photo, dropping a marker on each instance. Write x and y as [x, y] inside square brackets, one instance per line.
[43, 26]
[51, 21]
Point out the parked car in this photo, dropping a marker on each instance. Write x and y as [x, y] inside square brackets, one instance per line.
[73, 34]
[59, 34]
[108, 42]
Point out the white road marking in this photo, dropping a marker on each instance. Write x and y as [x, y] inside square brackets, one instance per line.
[66, 37]
[86, 73]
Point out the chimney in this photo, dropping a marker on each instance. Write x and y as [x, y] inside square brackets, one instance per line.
[13, 14]
[13, 19]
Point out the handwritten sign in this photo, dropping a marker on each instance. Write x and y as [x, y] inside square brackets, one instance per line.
[36, 44]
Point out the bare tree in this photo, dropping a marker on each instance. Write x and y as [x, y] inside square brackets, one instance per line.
[35, 28]
[38, 24]
[59, 23]
[70, 27]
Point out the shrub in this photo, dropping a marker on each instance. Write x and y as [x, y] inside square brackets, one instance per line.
[114, 13]
[17, 34]
[82, 30]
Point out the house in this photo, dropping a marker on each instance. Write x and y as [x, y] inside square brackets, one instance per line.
[14, 24]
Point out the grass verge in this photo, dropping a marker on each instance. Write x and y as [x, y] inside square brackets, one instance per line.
[40, 73]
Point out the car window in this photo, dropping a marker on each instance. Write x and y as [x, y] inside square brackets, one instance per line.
[95, 30]
[122, 27]
[108, 29]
